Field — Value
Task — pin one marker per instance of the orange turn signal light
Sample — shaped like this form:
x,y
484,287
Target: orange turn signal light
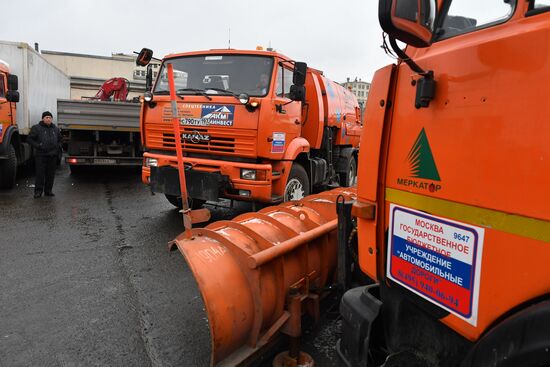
x,y
261,175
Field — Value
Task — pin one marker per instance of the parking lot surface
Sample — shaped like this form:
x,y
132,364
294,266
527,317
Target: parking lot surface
x,y
86,278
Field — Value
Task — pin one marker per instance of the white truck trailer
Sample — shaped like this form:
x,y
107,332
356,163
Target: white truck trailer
x,y
40,84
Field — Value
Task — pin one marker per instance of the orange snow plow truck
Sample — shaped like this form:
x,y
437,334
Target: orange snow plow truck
x,y
255,126
445,245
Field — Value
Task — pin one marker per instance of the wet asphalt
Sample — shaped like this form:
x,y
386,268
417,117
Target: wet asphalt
x,y
86,278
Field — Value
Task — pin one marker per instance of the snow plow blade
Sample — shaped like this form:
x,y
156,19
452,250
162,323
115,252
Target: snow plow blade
x,y
259,272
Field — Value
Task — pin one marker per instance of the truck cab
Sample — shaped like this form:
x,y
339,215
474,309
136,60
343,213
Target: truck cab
x,y
452,221
9,136
251,129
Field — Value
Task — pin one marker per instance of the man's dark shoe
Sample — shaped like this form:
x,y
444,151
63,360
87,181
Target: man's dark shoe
x,y
37,195
49,194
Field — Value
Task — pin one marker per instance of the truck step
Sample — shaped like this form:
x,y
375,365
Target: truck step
x,y
276,198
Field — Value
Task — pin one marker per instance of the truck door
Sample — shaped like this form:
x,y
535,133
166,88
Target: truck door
x,y
286,120
471,171
5,109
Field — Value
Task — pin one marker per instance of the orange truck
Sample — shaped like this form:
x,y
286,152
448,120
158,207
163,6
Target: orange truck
x,y
448,233
452,200
9,96
255,126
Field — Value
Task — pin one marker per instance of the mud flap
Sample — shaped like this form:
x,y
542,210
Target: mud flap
x,y
200,185
359,308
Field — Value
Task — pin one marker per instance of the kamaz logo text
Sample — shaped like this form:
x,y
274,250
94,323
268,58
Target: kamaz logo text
x,y
195,137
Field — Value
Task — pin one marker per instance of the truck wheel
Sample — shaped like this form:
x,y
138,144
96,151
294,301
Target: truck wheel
x,y
349,178
193,203
8,169
297,185
522,339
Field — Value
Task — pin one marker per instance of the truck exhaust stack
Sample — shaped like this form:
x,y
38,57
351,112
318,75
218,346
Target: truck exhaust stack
x,y
259,272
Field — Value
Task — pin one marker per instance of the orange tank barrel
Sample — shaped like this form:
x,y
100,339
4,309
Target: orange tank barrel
x,y
250,267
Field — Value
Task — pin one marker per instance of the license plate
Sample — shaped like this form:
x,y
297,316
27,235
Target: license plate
x,y
104,161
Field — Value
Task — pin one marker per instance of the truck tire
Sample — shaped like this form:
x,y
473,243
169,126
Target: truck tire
x,y
349,177
8,169
193,203
522,339
297,184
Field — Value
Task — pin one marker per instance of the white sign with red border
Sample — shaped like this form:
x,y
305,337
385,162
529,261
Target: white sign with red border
x,y
437,258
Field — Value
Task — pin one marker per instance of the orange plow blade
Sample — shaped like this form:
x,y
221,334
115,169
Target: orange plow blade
x,y
260,271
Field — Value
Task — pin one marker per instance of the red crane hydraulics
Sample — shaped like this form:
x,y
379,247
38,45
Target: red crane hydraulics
x,y
116,87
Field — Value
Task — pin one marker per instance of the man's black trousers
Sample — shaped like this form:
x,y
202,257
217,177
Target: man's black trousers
x,y
45,173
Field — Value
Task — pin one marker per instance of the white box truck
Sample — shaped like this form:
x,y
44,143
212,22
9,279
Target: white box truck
x,y
39,84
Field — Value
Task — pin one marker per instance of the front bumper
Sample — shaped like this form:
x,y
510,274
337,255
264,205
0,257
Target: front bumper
x,y
103,161
200,185
226,175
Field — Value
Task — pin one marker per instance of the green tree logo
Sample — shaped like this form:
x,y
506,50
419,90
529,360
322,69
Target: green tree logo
x,y
421,159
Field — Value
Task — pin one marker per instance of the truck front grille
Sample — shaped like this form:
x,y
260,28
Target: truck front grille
x,y
222,141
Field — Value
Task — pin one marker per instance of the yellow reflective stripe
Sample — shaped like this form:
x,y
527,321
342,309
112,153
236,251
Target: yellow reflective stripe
x,y
523,226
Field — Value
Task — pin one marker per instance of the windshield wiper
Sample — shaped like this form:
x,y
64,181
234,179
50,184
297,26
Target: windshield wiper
x,y
201,92
225,91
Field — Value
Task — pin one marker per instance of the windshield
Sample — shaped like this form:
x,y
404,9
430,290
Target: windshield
x,y
215,74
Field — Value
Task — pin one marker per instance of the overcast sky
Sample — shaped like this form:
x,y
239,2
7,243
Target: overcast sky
x,y
342,38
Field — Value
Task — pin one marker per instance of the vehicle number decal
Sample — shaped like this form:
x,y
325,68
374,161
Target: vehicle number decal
x,y
278,143
436,258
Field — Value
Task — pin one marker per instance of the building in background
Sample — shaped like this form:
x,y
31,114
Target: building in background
x,y
360,89
89,72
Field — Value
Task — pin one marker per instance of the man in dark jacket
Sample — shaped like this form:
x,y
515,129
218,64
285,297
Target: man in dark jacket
x,y
45,137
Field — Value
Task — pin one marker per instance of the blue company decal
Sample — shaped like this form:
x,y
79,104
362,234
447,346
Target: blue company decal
x,y
207,115
220,115
436,258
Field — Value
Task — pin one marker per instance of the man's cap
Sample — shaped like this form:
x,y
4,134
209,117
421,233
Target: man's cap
x,y
47,113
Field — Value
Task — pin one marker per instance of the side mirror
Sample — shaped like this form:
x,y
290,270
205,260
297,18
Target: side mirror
x,y
12,96
13,83
297,93
409,21
144,57
149,78
299,76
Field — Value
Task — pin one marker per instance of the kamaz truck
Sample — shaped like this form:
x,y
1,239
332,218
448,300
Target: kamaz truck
x,y
256,126
444,246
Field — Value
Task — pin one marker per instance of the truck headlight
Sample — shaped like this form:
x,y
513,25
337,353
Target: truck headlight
x,y
244,98
151,162
248,174
148,96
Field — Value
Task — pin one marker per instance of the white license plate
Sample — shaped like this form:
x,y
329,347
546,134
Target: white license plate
x,y
104,161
